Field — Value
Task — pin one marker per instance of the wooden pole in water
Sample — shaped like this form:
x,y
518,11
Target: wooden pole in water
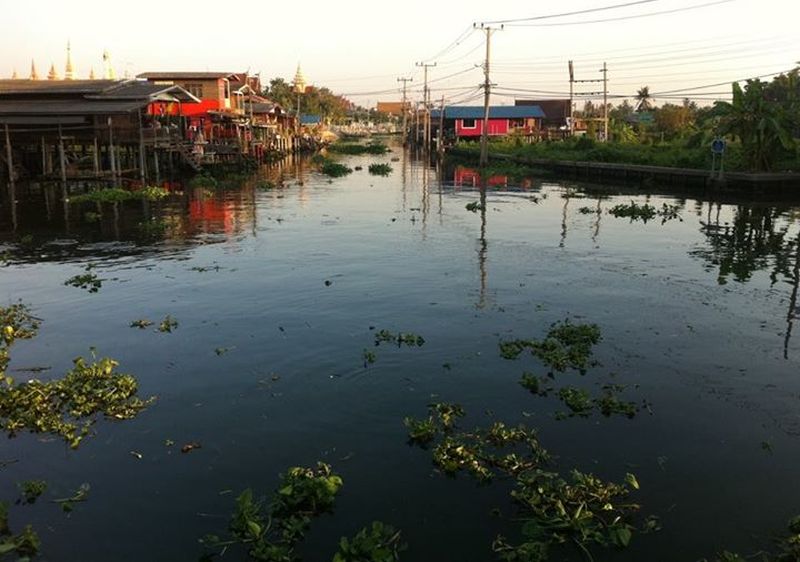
x,y
63,163
142,168
111,152
44,158
12,188
96,157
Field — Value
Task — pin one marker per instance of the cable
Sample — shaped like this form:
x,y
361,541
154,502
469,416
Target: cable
x,y
620,18
565,14
464,34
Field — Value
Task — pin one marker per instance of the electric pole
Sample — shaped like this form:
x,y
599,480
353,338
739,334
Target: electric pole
x,y
571,100
605,102
487,87
405,82
427,103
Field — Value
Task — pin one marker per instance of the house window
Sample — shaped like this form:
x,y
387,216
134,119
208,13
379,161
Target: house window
x,y
468,123
195,89
516,123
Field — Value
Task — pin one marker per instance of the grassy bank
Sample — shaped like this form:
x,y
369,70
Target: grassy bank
x,y
675,154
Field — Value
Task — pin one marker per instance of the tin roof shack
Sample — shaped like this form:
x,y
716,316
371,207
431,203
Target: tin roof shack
x,y
557,112
83,129
466,122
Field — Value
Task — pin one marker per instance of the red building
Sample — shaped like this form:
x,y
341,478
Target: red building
x,y
467,121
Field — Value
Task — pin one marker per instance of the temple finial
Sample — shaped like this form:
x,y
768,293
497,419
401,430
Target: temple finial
x,y
34,74
69,72
108,70
52,75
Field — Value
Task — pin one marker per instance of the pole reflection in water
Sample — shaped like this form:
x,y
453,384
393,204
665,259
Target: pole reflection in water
x,y
483,249
793,309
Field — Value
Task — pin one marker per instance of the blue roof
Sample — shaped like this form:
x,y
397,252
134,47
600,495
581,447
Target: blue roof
x,y
310,119
495,112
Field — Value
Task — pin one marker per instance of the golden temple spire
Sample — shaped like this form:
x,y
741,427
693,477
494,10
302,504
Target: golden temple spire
x,y
299,81
69,73
91,74
53,75
34,74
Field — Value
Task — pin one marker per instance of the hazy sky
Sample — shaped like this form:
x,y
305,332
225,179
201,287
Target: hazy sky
x,y
359,48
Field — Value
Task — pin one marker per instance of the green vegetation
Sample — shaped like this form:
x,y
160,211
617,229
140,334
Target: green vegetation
x,y
474,207
141,324
335,170
80,495
788,548
566,346
554,510
168,324
369,357
88,281
24,545
761,123
265,185
31,490
380,169
377,543
118,195
645,212
375,148
66,407
270,532
408,339
202,180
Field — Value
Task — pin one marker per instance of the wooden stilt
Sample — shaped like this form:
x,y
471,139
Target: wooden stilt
x,y
12,187
142,168
63,162
96,158
112,154
44,158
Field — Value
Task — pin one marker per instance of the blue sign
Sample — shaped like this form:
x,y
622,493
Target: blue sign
x,y
718,146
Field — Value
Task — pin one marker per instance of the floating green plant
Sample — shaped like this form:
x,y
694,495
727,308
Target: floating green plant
x,y
335,170
23,545
109,195
270,532
376,148
408,339
168,324
153,193
369,357
80,495
645,212
582,509
566,346
265,185
31,490
587,210
536,385
474,206
377,543
141,324
89,281
787,548
380,169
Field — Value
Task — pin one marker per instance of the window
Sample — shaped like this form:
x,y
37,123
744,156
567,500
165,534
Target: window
x,y
195,89
468,123
516,123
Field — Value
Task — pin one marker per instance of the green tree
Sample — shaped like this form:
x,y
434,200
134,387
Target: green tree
x,y
644,101
673,120
759,123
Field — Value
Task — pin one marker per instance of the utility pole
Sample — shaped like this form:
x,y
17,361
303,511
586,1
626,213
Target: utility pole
x,y
571,100
440,136
405,82
487,86
605,102
427,103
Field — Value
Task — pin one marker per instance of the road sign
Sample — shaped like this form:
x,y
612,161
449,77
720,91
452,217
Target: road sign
x,y
718,146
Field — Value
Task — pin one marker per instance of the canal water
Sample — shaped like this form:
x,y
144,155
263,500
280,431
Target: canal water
x,y
278,292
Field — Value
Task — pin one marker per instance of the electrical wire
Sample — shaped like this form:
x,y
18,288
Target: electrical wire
x,y
621,18
565,14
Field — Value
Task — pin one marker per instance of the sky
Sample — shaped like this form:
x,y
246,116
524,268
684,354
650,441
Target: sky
x,y
678,48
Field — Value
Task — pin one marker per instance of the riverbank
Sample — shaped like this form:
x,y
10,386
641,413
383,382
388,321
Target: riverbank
x,y
568,162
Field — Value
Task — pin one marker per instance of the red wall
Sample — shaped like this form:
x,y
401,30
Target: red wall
x,y
496,127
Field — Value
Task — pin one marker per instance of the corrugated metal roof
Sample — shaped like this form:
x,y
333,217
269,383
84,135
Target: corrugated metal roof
x,y
184,75
76,87
69,107
310,119
141,89
495,112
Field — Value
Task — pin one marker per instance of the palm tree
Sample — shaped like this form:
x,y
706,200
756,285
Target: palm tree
x,y
643,99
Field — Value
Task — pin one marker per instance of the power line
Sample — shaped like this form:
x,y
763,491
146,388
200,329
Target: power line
x,y
620,18
565,14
